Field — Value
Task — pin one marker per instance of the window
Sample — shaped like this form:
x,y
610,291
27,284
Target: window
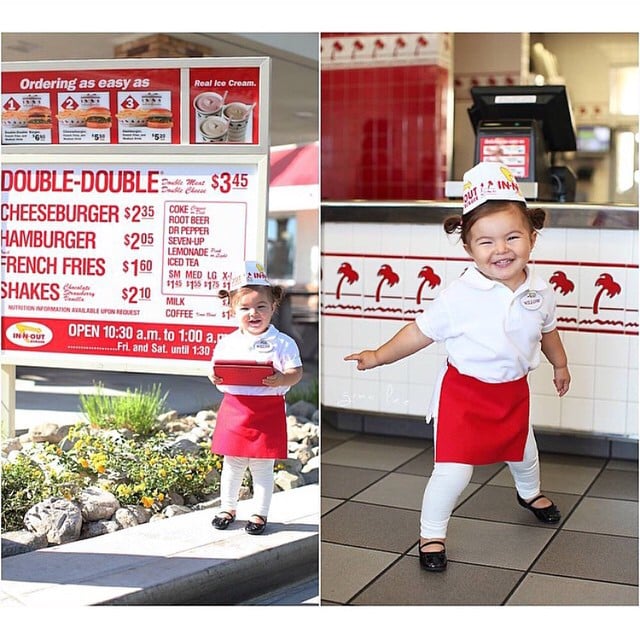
x,y
281,247
624,96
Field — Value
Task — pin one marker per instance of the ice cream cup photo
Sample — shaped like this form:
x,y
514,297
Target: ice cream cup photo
x,y
214,129
208,103
238,115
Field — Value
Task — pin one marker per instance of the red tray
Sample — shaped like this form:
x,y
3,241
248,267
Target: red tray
x,y
243,372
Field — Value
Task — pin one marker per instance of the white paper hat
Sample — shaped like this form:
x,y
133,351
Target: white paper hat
x,y
247,274
488,181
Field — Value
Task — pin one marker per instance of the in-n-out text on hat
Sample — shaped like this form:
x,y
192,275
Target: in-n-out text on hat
x,y
488,181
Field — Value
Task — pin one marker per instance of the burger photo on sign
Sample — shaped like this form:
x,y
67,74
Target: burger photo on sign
x,y
159,119
39,118
98,118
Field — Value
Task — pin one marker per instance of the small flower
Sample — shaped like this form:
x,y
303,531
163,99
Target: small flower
x,y
147,501
84,463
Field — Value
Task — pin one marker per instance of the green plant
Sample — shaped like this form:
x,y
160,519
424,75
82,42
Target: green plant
x,y
26,481
142,469
136,410
304,391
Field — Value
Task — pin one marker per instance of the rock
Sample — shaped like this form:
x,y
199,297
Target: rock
x,y
11,444
58,519
206,418
286,480
167,417
311,471
175,498
98,528
184,446
23,541
292,465
48,432
304,454
175,510
157,516
97,504
207,504
131,516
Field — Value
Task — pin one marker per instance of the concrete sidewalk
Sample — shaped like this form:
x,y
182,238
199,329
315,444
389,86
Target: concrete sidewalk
x,y
180,560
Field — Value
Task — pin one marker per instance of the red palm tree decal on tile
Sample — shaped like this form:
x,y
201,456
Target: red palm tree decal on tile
x,y
561,283
607,285
388,275
348,273
429,277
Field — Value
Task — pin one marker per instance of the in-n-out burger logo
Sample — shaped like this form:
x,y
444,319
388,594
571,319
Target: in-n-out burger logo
x,y
68,181
481,192
29,334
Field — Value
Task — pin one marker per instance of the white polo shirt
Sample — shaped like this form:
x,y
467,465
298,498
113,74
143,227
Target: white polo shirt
x,y
487,331
272,345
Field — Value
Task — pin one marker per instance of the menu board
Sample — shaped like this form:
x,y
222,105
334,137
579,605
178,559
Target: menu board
x,y
91,107
512,151
129,189
122,260
224,102
137,105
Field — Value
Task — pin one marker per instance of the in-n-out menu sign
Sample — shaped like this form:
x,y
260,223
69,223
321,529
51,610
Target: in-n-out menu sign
x,y
110,258
100,259
132,106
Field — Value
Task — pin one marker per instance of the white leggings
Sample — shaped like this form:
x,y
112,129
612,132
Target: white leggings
x,y
449,479
231,478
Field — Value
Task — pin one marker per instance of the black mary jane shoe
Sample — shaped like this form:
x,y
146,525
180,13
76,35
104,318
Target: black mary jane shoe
x,y
221,521
548,514
256,528
433,560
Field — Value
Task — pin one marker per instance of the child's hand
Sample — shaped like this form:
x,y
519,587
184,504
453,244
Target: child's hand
x,y
275,380
365,359
215,379
561,379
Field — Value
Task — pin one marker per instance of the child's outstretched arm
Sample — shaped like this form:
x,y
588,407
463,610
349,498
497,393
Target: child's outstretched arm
x,y
554,351
406,342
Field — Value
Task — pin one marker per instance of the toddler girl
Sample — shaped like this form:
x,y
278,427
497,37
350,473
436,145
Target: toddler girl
x,y
251,429
493,320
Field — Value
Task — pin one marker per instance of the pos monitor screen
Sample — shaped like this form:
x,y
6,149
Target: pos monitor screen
x,y
546,104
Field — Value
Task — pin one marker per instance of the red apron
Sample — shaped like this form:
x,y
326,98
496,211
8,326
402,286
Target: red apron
x,y
481,422
251,427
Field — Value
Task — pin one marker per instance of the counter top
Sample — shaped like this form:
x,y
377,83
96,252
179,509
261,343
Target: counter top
x,y
564,215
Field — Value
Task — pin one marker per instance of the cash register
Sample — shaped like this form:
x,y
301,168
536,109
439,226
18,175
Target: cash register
x,y
523,127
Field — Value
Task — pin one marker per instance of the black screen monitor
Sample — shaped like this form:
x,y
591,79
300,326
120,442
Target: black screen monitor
x,y
546,104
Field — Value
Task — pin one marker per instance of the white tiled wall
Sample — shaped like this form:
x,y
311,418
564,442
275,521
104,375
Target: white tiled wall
x,y
604,365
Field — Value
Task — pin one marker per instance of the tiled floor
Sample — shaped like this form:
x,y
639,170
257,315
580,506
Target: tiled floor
x,y
499,554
